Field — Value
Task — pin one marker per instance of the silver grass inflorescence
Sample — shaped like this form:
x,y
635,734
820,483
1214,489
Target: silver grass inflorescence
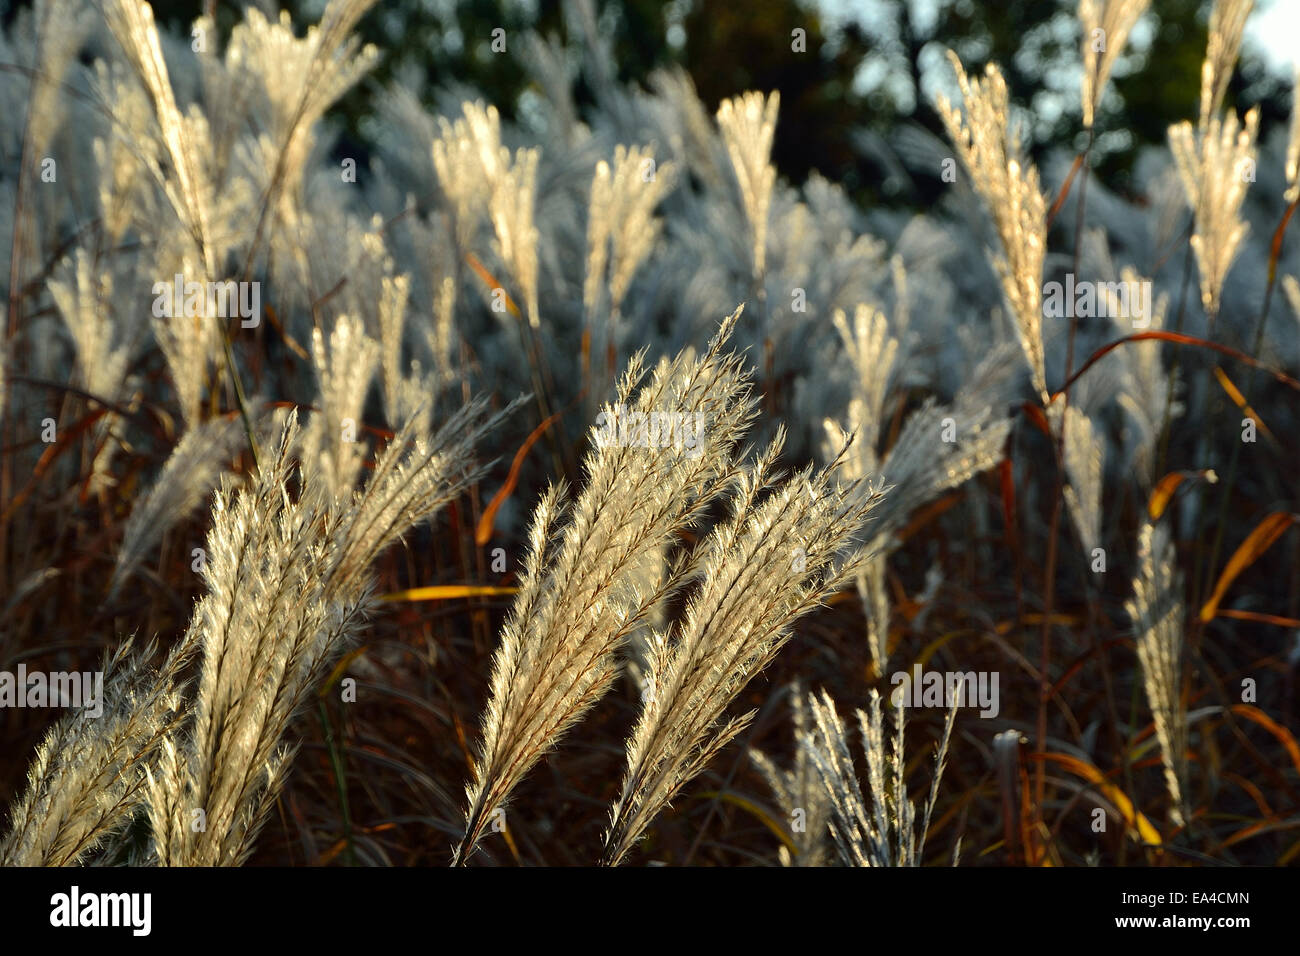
x,y
394,293
880,830
467,158
873,351
188,188
301,76
1085,465
1149,392
622,228
264,626
288,583
477,172
184,179
1106,26
1156,609
1008,183
799,791
60,34
83,299
918,467
344,371
89,776
748,124
921,464
188,345
786,545
512,207
578,595
1216,164
189,475
1226,29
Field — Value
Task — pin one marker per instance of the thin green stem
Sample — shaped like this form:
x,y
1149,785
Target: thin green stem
x,y
340,781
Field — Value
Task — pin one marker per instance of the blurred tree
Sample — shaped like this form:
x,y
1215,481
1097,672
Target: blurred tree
x,y
856,67
1036,43
781,46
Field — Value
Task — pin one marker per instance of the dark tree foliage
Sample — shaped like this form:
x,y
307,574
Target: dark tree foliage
x,y
729,47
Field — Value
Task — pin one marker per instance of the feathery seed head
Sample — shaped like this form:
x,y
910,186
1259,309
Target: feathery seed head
x,y
1156,609
748,124
881,831
1106,26
990,150
785,546
1227,26
1216,164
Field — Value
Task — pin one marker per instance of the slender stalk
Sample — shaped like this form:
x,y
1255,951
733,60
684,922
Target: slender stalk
x,y
1231,475
340,781
1049,596
1163,457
